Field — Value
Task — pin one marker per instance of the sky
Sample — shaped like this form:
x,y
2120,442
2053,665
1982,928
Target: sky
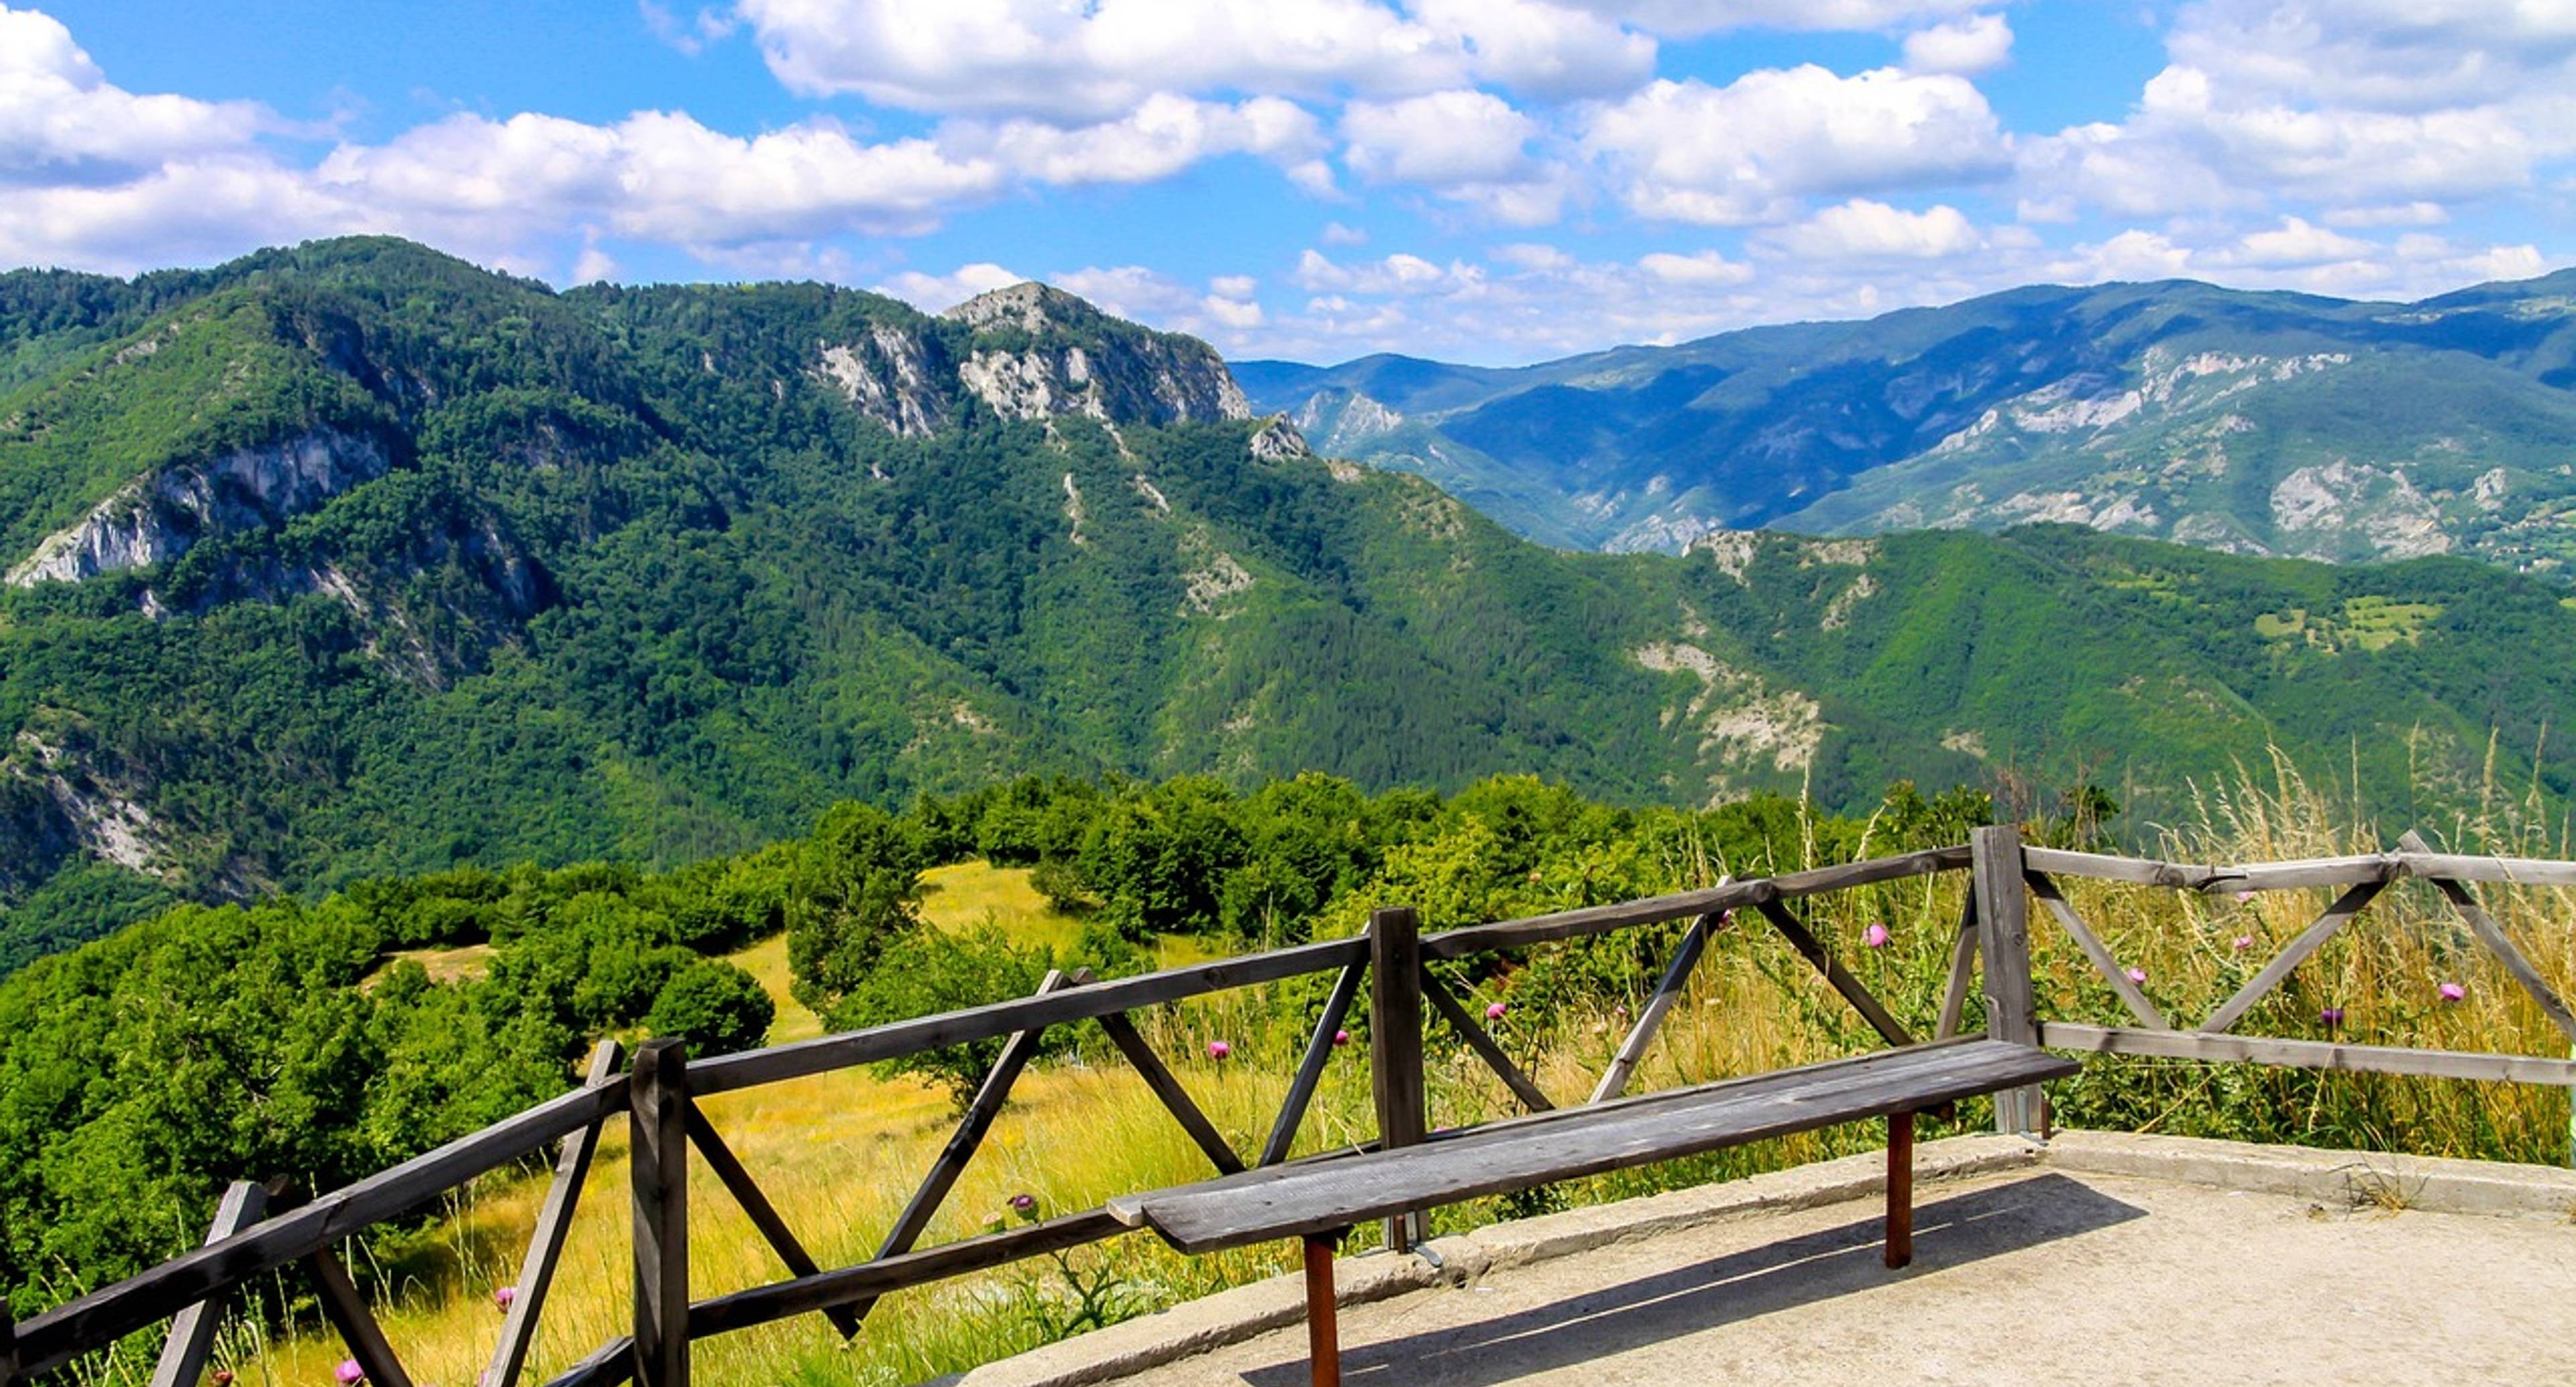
x,y
1488,181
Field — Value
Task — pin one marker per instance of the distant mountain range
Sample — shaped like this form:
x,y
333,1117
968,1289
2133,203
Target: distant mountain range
x,y
2253,423
354,560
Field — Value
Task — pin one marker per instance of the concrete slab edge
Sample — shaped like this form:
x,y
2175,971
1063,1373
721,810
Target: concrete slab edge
x,y
1230,1317
2336,1178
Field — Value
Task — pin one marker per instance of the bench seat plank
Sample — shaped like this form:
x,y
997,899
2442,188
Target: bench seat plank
x,y
1323,1195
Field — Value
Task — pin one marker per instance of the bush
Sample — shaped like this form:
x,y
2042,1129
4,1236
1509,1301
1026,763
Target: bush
x,y
928,971
714,1006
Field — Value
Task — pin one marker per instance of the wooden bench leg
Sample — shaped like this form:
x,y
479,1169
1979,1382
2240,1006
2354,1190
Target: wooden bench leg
x,y
1323,1332
1900,1189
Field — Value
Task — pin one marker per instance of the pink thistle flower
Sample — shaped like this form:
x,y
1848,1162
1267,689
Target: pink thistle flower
x,y
1218,1049
2137,975
2244,942
1341,1037
1875,936
2453,992
349,1372
1023,1202
1494,1011
502,1296
2244,896
223,1377
2332,1016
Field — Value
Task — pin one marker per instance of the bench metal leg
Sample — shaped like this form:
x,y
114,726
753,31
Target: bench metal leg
x,y
1323,1332
1900,1189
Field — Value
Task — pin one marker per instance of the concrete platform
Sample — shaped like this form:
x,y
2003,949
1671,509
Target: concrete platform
x,y
2097,1259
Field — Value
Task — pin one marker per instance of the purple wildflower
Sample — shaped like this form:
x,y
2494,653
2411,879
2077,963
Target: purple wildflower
x,y
2244,942
1218,1049
1875,936
1023,1202
502,1296
2332,1016
349,1372
2138,975
1494,1011
2452,992
1341,1037
2244,896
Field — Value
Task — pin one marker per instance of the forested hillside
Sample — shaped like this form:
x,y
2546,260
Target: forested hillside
x,y
2254,423
353,560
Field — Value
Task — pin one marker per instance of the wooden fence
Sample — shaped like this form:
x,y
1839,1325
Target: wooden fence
x,y
656,1091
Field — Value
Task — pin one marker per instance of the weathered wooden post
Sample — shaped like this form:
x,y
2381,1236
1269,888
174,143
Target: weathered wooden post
x,y
192,1331
2003,942
659,1139
1395,1044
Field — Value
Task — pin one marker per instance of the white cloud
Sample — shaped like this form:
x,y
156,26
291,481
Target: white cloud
x,y
1966,47
1336,234
1093,61
690,37
1441,139
2295,242
61,121
1706,267
1749,151
1691,18
931,293
2336,103
2390,214
1162,136
1864,230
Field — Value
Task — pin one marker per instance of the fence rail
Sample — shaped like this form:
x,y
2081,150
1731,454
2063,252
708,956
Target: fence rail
x,y
658,1092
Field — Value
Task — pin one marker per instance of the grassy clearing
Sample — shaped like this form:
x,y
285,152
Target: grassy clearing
x,y
840,1153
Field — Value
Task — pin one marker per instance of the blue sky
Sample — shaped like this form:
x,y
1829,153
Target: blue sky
x,y
1482,180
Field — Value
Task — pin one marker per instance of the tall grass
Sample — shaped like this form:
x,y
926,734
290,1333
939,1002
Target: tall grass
x,y
838,1154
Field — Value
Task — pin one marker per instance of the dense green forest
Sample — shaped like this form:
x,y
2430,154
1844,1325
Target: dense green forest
x,y
353,561
141,1072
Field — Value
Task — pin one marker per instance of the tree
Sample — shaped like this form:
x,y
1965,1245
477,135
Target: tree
x,y
714,1006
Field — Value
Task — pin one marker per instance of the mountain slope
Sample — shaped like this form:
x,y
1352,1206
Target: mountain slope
x,y
2256,423
355,560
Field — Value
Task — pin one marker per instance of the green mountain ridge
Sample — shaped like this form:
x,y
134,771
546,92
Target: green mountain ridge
x,y
2257,423
353,561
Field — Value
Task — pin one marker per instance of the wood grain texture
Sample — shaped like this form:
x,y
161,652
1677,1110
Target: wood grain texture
x,y
2311,939
962,1143
2129,993
1166,1087
353,1321
1482,1041
658,1179
53,1338
872,1280
1963,967
823,1054
1650,1018
1395,1043
2003,944
2308,1054
192,1331
554,1224
1310,1067
1285,1202
730,1172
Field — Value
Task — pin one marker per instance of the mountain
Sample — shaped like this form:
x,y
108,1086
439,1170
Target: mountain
x,y
2256,423
354,560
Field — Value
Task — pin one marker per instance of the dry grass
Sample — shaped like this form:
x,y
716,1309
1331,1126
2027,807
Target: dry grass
x,y
838,1154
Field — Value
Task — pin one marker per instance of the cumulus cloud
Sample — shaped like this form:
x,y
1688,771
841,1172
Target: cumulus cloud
x,y
1093,61
62,121
2350,105
1966,47
1864,230
931,293
1749,151
1692,18
1443,138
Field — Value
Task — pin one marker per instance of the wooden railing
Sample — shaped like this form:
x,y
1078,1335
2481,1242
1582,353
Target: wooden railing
x,y
657,1093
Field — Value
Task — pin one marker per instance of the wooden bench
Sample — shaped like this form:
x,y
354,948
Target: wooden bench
x,y
1317,1200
